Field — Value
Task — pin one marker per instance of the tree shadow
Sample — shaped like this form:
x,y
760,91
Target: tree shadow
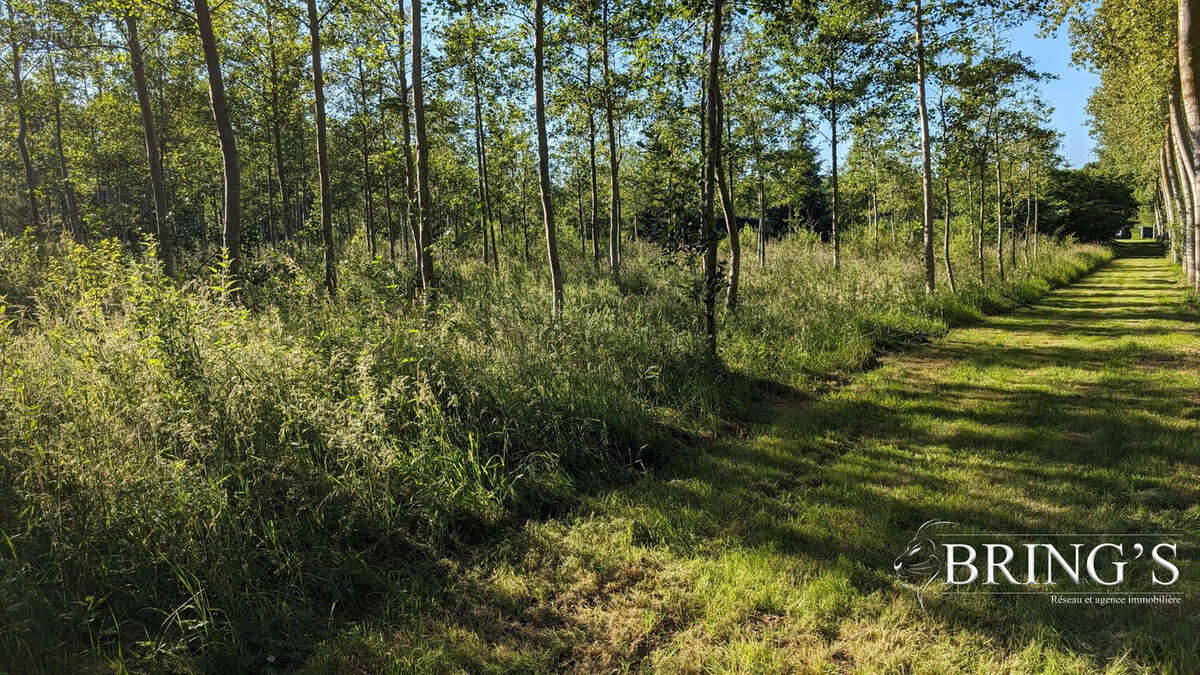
x,y
1045,420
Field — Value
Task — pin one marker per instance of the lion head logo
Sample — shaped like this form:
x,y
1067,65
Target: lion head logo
x,y
920,564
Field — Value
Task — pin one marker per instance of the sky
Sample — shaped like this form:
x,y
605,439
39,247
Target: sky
x,y
1067,95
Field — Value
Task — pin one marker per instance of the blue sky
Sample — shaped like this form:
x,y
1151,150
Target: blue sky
x,y
1068,94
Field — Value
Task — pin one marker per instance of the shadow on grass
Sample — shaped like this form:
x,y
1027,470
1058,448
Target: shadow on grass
x,y
1078,415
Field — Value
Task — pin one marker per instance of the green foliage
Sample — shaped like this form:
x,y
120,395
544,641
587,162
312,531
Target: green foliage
x,y
194,482
1088,203
1133,48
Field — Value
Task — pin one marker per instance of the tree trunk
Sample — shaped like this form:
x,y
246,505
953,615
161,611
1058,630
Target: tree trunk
x,y
592,165
724,188
158,186
481,181
232,236
999,210
387,212
1189,54
946,237
1155,202
1035,226
410,193
614,208
579,220
268,226
68,190
926,170
982,199
365,149
1187,180
1028,218
424,207
276,133
762,225
22,124
833,164
1171,202
525,216
488,215
314,31
492,230
556,284
1012,215
712,176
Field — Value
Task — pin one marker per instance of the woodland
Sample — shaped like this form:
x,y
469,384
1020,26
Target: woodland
x,y
328,328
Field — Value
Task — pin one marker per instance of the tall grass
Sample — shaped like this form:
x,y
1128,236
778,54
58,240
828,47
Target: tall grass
x,y
195,483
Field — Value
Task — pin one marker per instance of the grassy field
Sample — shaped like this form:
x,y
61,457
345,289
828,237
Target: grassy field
x,y
770,552
366,484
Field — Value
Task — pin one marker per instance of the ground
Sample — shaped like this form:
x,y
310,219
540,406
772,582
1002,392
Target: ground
x,y
772,550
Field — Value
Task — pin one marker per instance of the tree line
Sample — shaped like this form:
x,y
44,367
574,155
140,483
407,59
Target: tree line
x,y
264,125
1146,114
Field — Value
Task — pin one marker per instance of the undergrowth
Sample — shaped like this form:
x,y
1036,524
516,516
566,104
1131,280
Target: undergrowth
x,y
194,482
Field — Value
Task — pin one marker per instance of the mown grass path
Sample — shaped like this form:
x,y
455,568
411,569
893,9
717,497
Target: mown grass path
x,y
772,552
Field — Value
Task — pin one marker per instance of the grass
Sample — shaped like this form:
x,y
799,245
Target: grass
x,y
771,551
368,484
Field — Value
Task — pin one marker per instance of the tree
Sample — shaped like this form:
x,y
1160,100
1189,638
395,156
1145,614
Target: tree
x,y
926,167
831,60
614,204
326,196
544,159
424,210
1188,40
1186,173
712,177
153,157
1088,203
22,123
232,170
